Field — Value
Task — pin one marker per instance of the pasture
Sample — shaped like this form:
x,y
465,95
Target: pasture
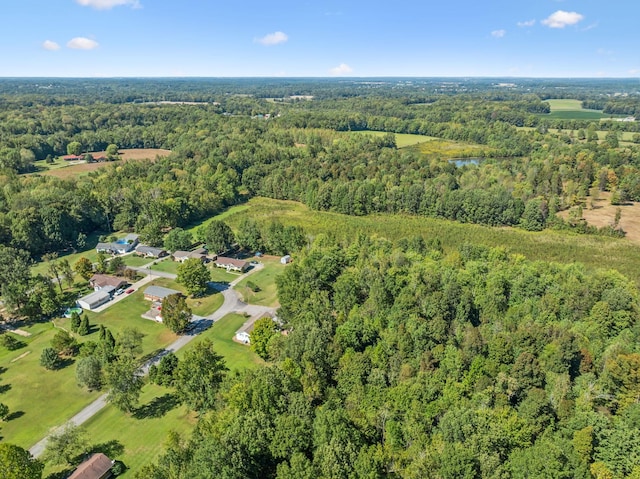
x,y
265,279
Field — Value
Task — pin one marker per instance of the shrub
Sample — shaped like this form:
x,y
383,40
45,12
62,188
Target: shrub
x,y
49,359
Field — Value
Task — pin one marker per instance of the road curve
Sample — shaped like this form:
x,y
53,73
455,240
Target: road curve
x,y
231,304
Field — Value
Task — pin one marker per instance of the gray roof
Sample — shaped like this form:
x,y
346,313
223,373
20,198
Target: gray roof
x,y
96,296
149,249
159,291
105,246
131,237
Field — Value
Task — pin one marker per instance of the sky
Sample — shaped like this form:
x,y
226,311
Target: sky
x,y
348,38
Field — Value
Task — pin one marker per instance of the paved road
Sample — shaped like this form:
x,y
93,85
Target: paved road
x,y
231,304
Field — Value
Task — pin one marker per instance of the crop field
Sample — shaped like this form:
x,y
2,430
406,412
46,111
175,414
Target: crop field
x,y
562,247
61,169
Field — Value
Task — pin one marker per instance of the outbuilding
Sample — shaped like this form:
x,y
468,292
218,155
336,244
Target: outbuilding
x,y
286,259
96,299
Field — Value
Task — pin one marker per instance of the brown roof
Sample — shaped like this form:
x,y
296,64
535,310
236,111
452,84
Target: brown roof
x,y
102,280
238,263
95,467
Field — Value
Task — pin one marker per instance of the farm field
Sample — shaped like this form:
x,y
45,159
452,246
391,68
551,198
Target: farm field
x,y
66,170
265,279
562,247
432,146
604,212
567,109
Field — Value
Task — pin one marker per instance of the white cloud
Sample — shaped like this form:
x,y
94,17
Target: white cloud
x,y
527,23
108,4
51,46
341,69
273,39
561,19
82,43
498,33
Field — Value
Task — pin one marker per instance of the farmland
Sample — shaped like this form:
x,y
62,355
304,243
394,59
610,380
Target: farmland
x,y
566,109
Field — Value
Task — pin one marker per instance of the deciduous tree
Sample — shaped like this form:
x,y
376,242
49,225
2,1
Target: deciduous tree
x,y
176,314
194,275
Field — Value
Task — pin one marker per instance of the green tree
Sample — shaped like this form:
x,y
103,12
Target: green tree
x,y
116,265
101,263
63,343
89,373
124,383
49,358
84,327
178,239
74,322
16,463
194,275
84,268
199,375
164,372
176,314
112,151
217,235
14,276
4,412
263,330
66,447
74,148
129,342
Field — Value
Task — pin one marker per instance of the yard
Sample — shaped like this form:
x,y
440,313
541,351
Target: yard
x,y
41,399
159,411
265,279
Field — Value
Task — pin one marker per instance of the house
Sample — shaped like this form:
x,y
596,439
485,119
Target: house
x,y
158,293
96,299
286,259
98,466
231,264
72,157
99,281
121,246
154,313
150,251
200,254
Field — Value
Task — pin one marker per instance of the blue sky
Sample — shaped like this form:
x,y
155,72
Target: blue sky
x,y
106,38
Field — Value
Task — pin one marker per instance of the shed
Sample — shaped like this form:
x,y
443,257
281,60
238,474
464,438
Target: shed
x,y
98,466
158,293
286,259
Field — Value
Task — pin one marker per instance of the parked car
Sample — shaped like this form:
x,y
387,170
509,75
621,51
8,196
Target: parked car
x,y
119,291
130,290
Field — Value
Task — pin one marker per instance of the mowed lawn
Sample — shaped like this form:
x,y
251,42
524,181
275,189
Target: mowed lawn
x,y
143,433
45,399
594,252
265,279
568,109
38,399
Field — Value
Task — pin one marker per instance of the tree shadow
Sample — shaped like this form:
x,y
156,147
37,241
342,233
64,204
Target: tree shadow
x,y
14,415
4,388
61,474
111,448
158,407
63,363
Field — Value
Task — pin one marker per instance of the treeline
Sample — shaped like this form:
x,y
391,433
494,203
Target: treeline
x,y
402,362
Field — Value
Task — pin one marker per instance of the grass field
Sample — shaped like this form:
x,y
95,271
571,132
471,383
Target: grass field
x,y
266,281
563,247
142,433
62,169
567,109
136,261
207,304
432,146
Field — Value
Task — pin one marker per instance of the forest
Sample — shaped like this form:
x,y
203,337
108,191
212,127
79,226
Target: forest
x,y
401,358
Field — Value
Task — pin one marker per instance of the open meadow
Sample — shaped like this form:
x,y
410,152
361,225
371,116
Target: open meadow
x,y
559,246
